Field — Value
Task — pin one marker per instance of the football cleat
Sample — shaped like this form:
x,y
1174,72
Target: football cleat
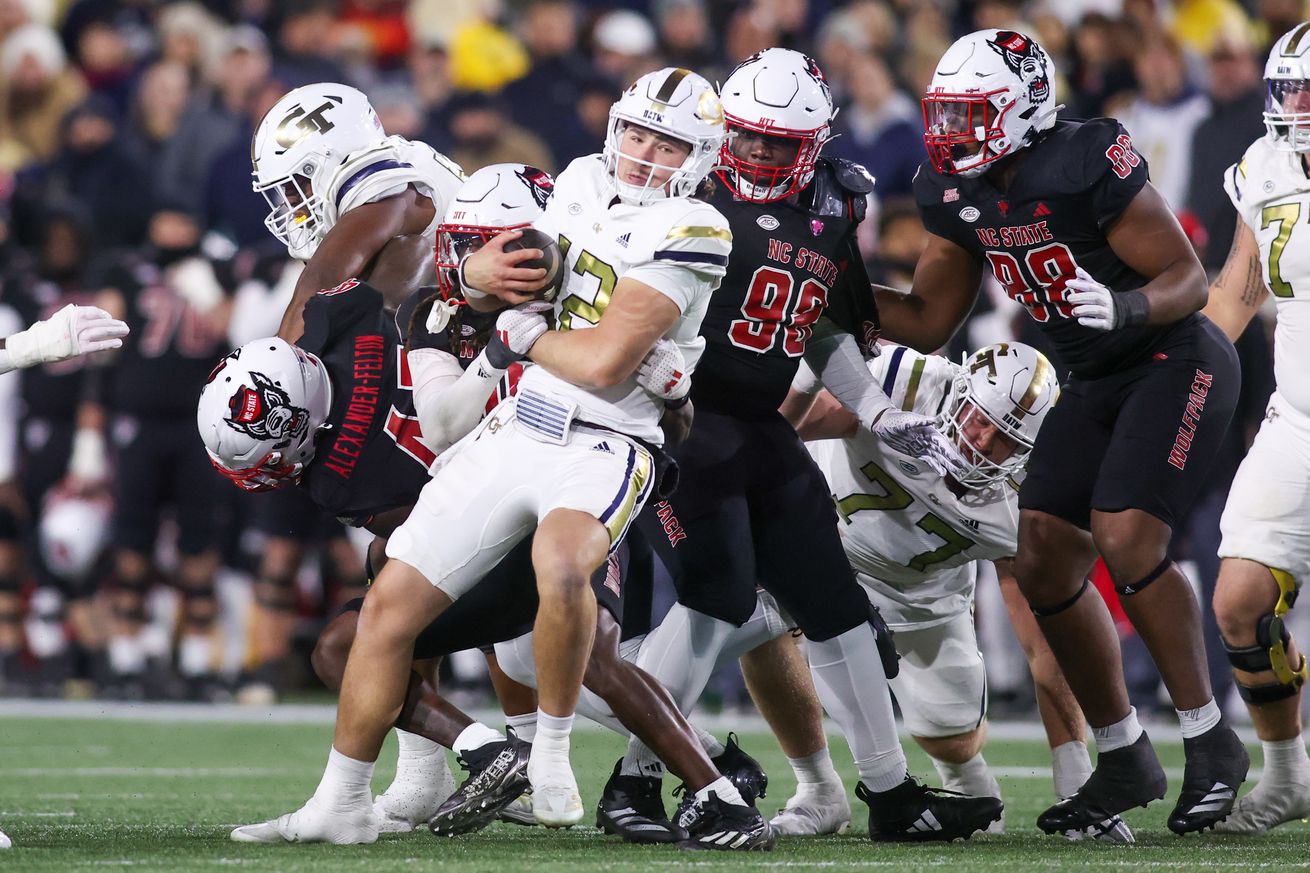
x,y
631,807
742,770
1217,764
1267,806
912,812
815,809
1123,779
313,823
520,811
415,795
728,827
556,802
5,842
498,775
1112,830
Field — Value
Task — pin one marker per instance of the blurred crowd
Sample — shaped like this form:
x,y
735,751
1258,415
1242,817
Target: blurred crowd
x,y
125,179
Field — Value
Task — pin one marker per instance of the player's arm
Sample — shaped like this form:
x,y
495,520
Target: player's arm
x,y
492,279
449,401
350,246
69,333
1236,295
946,283
676,423
1148,238
606,355
815,413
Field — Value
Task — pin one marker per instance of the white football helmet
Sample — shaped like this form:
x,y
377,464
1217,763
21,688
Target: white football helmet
x,y
299,144
73,532
992,94
676,103
776,93
1287,94
260,412
1012,387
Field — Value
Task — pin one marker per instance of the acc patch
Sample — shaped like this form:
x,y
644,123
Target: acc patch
x,y
768,222
970,214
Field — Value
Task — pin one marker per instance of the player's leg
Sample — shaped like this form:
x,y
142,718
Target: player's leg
x,y
778,678
195,492
138,488
273,615
11,617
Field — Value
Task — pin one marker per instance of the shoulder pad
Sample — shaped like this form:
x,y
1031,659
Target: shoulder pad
x,y
837,184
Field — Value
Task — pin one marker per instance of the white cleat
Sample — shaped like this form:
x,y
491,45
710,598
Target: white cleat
x,y
314,824
1266,807
555,799
414,796
5,842
519,812
814,810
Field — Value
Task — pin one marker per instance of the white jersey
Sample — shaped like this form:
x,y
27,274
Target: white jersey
x,y
678,246
386,170
1272,195
912,541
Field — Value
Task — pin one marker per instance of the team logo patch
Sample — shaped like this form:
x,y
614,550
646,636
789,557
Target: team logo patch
x,y
768,222
1026,60
575,208
970,214
539,183
816,226
265,412
950,195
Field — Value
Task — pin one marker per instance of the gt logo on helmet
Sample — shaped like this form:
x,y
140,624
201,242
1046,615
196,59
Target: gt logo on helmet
x,y
265,412
305,123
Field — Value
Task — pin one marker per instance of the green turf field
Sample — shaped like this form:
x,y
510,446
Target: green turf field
x,y
86,794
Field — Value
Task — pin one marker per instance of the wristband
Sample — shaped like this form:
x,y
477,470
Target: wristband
x,y
470,293
1131,308
679,403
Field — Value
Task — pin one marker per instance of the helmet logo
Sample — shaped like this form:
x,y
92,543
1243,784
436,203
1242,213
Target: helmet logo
x,y
300,123
709,109
265,412
1026,60
539,183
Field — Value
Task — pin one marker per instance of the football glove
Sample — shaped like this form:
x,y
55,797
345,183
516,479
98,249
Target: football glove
x,y
516,331
663,372
72,331
1099,308
917,436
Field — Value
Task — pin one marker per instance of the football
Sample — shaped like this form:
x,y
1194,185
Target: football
x,y
551,260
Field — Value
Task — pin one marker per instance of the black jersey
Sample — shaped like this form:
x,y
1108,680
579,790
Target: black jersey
x,y
169,353
790,260
370,459
1073,183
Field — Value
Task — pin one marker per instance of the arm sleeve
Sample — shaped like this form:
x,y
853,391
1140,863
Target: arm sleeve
x,y
449,403
851,304
840,366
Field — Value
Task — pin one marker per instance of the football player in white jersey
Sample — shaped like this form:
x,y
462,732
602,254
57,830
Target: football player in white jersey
x,y
345,198
914,537
573,457
1265,549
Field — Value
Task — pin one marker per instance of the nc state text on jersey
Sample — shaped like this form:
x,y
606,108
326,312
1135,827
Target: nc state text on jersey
x,y
805,259
1014,237
362,409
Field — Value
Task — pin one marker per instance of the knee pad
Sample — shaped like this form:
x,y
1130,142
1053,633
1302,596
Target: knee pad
x,y
1048,611
1270,651
1140,585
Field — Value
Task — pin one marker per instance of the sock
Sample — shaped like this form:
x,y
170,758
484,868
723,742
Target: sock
x,y
710,743
641,761
524,726
475,736
127,657
1119,735
345,781
724,788
1071,764
815,769
416,752
552,741
1286,761
971,777
843,668
195,655
1194,722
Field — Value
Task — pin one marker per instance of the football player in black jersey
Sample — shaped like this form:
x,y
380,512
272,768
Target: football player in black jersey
x,y
752,507
1063,215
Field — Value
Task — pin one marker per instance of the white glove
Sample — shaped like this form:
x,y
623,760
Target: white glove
x,y
516,330
72,331
1099,308
917,436
663,372
195,282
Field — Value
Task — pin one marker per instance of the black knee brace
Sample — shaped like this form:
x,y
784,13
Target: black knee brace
x,y
1048,611
1270,651
1140,585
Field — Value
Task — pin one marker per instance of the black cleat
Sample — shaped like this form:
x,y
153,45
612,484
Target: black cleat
x,y
726,827
1217,764
742,770
912,813
631,808
1123,779
498,774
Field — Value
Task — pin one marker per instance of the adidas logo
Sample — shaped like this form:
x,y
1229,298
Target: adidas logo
x,y
925,822
970,523
1042,209
602,447
1218,797
623,240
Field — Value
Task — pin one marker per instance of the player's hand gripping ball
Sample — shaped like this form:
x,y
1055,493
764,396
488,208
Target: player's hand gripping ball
x,y
551,260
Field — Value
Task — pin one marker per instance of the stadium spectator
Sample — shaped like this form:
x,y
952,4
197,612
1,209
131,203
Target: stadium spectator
x,y
305,43
624,45
881,127
190,36
483,134
107,63
37,88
